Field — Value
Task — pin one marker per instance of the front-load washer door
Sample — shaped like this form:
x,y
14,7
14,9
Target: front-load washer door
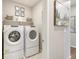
x,y
32,35
14,36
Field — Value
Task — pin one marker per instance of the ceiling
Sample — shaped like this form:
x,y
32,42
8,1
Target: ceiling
x,y
29,3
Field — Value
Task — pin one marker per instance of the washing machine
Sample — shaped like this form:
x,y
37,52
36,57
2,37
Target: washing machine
x,y
31,41
13,42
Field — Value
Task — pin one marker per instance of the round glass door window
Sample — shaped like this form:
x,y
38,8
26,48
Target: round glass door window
x,y
32,34
14,36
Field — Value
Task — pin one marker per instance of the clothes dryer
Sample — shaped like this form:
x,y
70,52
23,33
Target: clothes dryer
x,y
13,37
31,41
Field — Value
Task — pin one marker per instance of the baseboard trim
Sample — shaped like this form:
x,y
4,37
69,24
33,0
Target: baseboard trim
x,y
69,57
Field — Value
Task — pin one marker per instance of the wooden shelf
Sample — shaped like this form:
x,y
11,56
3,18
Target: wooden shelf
x,y
11,22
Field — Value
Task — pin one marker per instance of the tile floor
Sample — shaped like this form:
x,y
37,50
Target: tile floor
x,y
39,56
73,53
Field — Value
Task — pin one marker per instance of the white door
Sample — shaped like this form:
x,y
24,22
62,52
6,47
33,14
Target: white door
x,y
45,33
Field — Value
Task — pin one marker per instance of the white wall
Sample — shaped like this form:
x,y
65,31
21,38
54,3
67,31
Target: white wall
x,y
56,38
37,15
59,39
73,35
9,9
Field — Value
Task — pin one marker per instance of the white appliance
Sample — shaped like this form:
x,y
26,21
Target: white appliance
x,y
31,41
13,42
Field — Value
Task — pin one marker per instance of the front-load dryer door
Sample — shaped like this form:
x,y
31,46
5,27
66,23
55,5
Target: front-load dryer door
x,y
32,35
